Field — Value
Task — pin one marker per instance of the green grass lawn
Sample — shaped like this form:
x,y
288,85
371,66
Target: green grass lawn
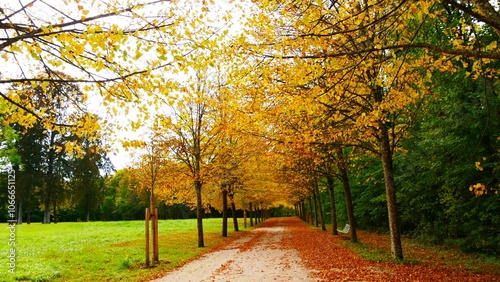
x,y
103,251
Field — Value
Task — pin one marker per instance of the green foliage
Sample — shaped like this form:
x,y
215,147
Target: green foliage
x,y
455,131
324,197
87,183
8,153
368,192
340,204
282,211
121,201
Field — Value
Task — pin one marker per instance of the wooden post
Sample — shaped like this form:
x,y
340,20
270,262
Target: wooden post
x,y
156,257
154,226
147,237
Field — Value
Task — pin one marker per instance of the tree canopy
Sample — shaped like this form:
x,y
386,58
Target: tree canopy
x,y
281,97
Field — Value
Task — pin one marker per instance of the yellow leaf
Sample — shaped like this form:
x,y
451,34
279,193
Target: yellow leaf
x,y
478,166
492,45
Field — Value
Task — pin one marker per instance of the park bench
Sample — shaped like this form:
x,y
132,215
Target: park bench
x,y
346,229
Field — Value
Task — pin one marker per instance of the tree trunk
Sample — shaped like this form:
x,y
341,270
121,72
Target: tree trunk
x,y
245,218
87,209
55,211
20,213
199,213
350,208
320,206
390,190
46,213
257,215
314,211
303,210
347,191
310,215
224,211
28,212
251,214
315,203
260,214
233,211
333,211
49,180
46,205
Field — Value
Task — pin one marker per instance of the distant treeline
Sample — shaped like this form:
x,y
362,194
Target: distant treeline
x,y
113,202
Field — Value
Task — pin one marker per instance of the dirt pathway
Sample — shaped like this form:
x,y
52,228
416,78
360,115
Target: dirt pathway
x,y
257,256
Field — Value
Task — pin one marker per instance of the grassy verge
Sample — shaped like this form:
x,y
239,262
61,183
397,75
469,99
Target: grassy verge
x,y
376,247
103,251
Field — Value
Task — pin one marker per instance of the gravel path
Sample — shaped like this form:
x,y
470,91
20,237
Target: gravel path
x,y
257,256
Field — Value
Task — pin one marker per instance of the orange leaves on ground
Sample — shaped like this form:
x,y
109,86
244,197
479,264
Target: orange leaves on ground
x,y
335,262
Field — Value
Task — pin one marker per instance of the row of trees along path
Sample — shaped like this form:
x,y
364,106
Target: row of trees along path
x,y
299,84
287,249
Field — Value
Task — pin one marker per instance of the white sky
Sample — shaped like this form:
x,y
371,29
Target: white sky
x,y
122,158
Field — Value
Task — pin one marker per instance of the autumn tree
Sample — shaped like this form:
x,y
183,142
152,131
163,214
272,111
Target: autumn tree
x,y
199,112
86,39
245,167
150,172
195,133
226,166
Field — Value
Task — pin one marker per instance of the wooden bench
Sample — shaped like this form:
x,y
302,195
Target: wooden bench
x,y
346,229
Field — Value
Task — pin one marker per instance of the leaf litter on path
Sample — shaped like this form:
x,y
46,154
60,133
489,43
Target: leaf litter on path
x,y
334,261
256,256
287,249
